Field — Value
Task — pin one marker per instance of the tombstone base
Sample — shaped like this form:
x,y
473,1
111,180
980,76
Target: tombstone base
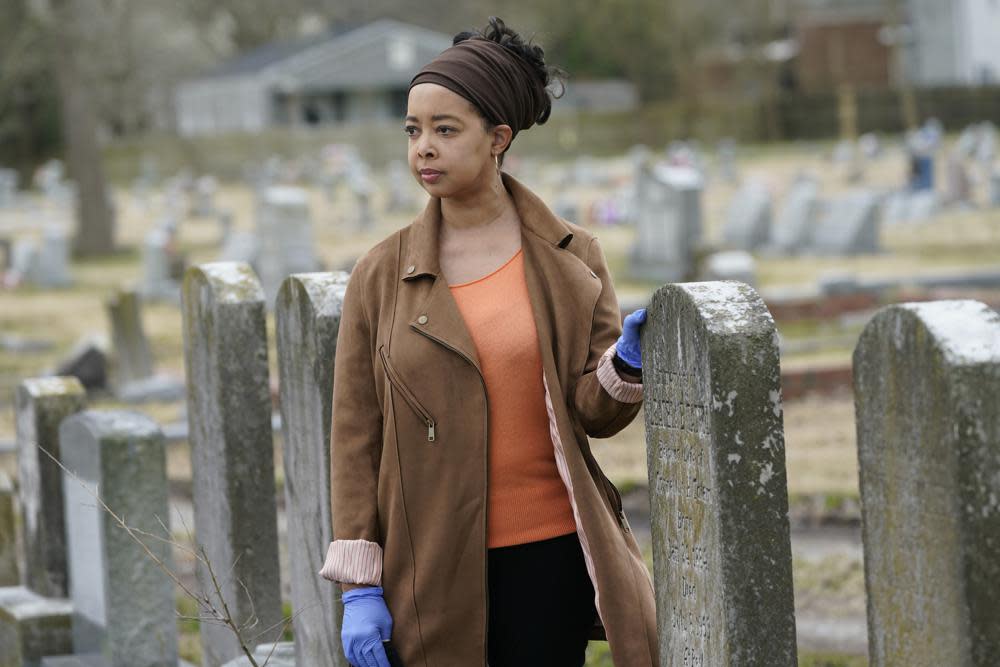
x,y
31,626
283,656
156,388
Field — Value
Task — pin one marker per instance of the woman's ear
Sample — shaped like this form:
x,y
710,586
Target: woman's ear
x,y
502,135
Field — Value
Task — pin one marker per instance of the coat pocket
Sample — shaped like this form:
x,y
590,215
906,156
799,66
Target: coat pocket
x,y
400,386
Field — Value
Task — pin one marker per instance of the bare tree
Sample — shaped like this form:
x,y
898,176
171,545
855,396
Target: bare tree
x,y
64,22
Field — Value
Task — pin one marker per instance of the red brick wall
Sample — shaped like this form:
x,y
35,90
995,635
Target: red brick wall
x,y
831,54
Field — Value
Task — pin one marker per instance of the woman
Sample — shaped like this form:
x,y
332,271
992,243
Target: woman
x,y
486,321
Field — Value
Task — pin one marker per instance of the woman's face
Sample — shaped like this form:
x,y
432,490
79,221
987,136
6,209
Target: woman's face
x,y
447,139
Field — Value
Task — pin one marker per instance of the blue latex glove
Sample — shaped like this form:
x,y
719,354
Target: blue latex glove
x,y
366,623
627,347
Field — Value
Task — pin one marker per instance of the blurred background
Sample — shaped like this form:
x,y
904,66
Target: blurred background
x,y
838,155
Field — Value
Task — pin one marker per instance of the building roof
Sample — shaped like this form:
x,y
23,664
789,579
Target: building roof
x,y
382,52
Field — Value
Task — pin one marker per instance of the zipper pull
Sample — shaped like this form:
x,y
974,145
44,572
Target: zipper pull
x,y
430,430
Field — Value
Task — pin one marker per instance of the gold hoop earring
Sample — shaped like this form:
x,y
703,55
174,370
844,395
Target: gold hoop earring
x,y
496,158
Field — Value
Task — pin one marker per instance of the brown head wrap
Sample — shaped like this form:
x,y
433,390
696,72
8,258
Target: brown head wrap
x,y
500,83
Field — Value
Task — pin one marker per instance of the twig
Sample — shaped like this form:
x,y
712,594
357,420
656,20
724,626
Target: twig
x,y
213,615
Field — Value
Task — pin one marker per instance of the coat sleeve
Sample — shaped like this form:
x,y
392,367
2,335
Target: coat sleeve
x,y
604,401
355,554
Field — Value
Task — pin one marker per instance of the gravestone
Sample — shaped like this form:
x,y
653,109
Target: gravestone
x,y
796,222
958,184
40,405
32,626
157,281
668,223
849,225
748,221
8,187
240,246
9,569
730,265
123,602
203,196
924,205
307,320
285,237
727,161
133,359
926,389
232,450
359,181
401,186
88,362
25,262
716,462
53,258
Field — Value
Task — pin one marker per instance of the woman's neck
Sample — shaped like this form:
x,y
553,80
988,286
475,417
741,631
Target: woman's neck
x,y
486,208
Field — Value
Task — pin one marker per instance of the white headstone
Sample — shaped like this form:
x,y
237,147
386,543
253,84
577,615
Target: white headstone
x,y
748,223
849,225
797,219
668,223
285,236
53,258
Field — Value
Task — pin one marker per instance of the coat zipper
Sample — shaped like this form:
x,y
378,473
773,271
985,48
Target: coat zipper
x,y
408,395
486,506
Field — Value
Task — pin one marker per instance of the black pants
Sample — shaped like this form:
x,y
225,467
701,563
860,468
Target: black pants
x,y
541,604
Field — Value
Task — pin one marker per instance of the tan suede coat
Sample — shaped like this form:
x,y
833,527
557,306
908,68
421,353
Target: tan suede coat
x,y
409,439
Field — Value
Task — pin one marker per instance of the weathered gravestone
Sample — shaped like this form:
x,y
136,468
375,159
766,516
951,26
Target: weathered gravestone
x,y
157,281
232,451
285,235
716,460
668,223
748,221
927,399
123,602
308,318
87,361
32,626
849,225
9,570
35,619
796,222
41,405
132,358
53,258
730,265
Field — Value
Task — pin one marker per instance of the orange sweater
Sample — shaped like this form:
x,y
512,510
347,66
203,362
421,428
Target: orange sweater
x,y
526,498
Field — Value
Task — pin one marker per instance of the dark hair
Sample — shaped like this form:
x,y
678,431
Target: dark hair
x,y
497,31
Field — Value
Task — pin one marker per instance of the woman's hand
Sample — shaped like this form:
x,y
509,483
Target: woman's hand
x,y
627,348
366,623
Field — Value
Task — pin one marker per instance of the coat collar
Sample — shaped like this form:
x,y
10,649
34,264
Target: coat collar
x,y
536,217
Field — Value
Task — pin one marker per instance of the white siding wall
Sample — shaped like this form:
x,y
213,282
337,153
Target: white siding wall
x,y
957,42
982,40
933,58
211,106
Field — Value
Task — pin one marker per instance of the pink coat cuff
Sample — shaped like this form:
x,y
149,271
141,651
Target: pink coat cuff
x,y
353,562
619,389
